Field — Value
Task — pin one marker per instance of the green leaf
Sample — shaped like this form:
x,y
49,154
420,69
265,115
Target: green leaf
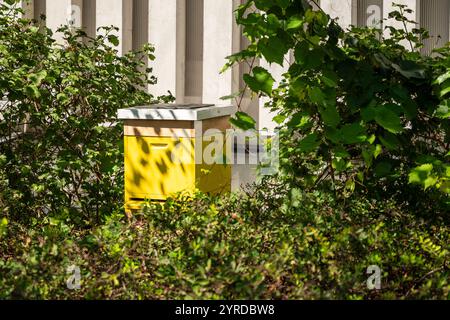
x,y
301,51
350,186
310,143
241,10
340,152
3,159
371,152
261,81
330,116
294,22
445,90
329,78
423,175
32,91
388,119
113,39
231,96
284,3
299,120
264,5
279,119
333,134
37,78
368,113
314,59
382,169
273,49
371,139
442,78
273,23
400,93
353,133
390,141
237,57
378,150
368,156
443,110
410,108
242,120
328,112
316,95
340,165
409,70
62,97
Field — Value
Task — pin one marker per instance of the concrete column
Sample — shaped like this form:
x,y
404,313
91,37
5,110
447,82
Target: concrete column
x,y
140,23
39,8
28,7
166,23
60,13
217,44
194,51
75,13
57,14
140,29
343,10
89,17
434,17
119,14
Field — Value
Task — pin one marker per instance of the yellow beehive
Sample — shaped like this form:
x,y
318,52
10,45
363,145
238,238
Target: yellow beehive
x,y
160,151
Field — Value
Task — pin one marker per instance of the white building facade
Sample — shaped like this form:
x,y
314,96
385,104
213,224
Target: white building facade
x,y
193,37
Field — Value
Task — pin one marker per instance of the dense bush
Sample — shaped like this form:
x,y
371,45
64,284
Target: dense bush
x,y
60,152
356,109
60,167
285,245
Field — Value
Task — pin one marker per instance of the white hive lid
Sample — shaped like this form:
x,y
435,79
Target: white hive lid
x,y
189,112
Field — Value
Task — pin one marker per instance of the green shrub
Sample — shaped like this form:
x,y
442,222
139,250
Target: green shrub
x,y
295,246
60,151
356,109
274,242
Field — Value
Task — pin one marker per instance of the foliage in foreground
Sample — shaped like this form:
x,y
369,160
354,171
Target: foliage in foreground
x,y
291,245
266,244
60,147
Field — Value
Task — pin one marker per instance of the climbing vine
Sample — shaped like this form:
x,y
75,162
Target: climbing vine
x,y
355,107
